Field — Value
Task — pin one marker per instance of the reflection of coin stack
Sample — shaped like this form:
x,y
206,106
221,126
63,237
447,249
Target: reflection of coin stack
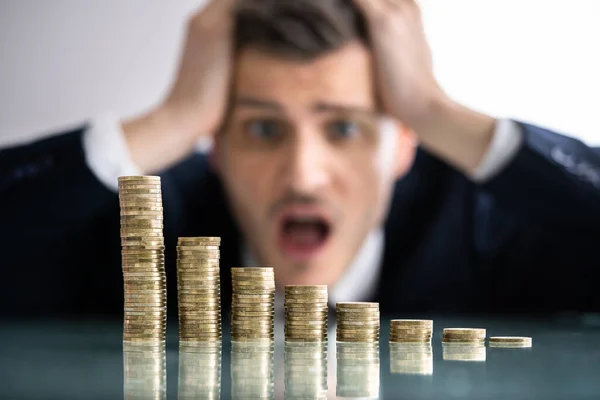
x,y
357,322
452,351
144,371
145,308
411,358
305,370
252,375
199,370
411,330
357,370
199,289
306,313
252,304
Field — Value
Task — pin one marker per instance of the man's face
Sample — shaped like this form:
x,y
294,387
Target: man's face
x,y
306,167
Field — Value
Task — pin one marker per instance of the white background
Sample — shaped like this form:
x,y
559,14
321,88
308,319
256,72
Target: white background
x,y
62,61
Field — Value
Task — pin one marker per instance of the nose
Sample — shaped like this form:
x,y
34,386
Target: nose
x,y
306,165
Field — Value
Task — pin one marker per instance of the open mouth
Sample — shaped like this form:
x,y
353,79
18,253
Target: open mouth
x,y
302,236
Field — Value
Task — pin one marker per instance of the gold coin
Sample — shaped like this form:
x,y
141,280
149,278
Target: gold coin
x,y
261,297
145,208
352,305
302,289
198,239
411,323
135,218
465,331
254,314
128,190
141,252
255,270
145,178
139,225
510,341
304,302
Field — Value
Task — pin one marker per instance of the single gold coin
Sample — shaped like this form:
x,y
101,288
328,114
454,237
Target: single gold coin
x,y
510,341
465,331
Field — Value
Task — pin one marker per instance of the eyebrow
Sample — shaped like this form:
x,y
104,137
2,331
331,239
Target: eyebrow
x,y
319,107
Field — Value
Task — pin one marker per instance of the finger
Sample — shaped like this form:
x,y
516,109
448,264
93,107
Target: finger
x,y
372,8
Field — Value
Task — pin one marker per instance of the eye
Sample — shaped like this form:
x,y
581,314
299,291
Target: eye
x,y
340,130
265,129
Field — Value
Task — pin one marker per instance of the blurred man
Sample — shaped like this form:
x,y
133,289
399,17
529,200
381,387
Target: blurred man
x,y
337,159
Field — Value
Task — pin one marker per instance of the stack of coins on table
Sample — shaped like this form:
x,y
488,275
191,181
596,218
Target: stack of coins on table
x,y
199,289
411,330
357,370
464,335
511,342
305,370
199,370
252,374
306,313
142,249
357,322
144,371
252,304
411,358
463,344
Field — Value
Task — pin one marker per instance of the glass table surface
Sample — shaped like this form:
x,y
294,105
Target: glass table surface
x,y
88,360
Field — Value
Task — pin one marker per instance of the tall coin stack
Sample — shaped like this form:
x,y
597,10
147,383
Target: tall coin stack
x,y
357,322
357,370
199,289
199,371
252,373
252,304
306,313
142,249
411,358
305,370
144,371
411,330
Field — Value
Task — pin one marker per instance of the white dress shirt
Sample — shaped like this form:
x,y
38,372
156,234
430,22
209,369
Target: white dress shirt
x,y
108,157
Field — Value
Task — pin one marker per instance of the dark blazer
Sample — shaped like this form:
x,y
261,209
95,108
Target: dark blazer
x,y
526,241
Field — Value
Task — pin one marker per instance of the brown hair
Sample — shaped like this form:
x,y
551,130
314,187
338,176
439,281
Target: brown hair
x,y
302,29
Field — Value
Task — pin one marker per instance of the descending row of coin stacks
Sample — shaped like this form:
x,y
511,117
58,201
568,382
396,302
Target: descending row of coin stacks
x,y
252,374
411,358
142,249
411,330
305,313
305,370
199,370
357,322
252,304
199,289
144,371
357,370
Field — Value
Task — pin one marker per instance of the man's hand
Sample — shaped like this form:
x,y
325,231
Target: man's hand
x,y
196,103
410,92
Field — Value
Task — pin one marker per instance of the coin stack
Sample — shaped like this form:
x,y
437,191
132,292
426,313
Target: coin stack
x,y
199,370
511,342
461,351
411,358
252,374
144,371
199,289
252,304
306,313
305,370
357,370
142,249
411,330
357,322
464,335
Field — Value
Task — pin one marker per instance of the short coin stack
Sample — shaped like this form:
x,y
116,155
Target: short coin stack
x,y
252,304
357,322
411,358
512,342
142,249
252,373
199,289
199,370
305,372
464,335
306,313
144,371
411,330
357,370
